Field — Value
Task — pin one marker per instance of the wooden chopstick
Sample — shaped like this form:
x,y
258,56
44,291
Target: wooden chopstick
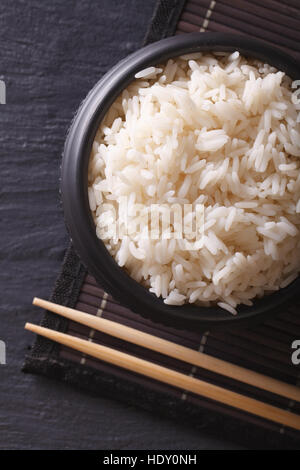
x,y
171,377
174,350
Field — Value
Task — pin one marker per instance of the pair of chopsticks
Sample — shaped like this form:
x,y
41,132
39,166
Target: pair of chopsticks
x,y
169,376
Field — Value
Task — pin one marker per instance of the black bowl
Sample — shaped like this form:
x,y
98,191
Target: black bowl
x,y
74,184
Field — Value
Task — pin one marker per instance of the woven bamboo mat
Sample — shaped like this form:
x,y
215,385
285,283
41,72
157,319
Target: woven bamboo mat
x,y
275,22
265,348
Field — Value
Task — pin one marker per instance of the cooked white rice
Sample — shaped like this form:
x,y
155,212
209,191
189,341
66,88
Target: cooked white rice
x,y
211,129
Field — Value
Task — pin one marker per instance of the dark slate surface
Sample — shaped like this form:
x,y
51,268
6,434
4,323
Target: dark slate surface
x,y
51,53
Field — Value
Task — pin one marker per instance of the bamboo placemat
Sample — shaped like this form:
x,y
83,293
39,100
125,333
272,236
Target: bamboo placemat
x,y
265,348
276,22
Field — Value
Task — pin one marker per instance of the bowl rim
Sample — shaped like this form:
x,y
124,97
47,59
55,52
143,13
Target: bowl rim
x,y
74,183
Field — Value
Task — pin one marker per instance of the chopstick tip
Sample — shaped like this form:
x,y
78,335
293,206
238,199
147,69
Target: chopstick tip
x,y
27,326
32,327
